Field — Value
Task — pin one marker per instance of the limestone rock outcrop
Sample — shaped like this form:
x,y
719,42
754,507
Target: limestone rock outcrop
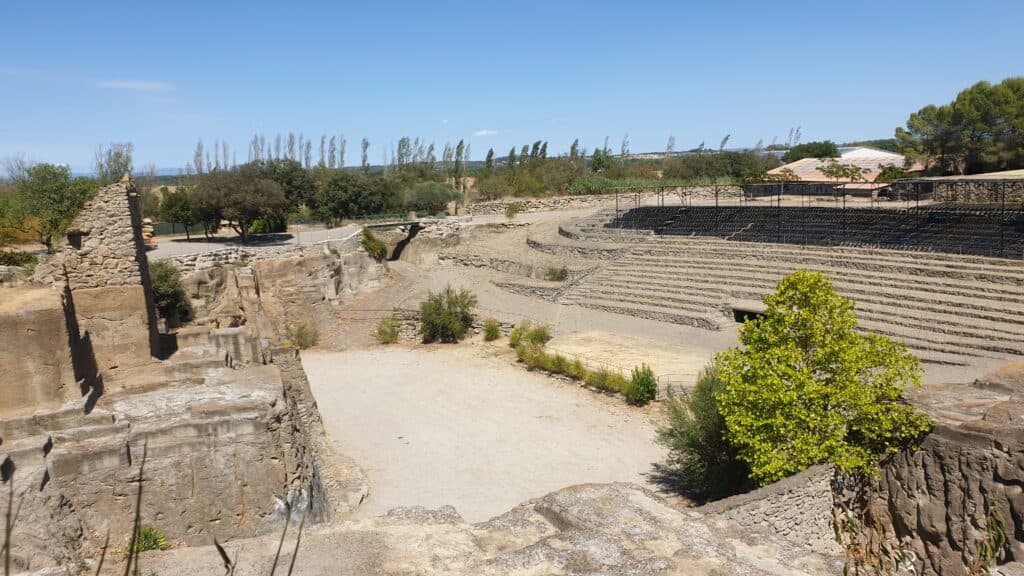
x,y
607,529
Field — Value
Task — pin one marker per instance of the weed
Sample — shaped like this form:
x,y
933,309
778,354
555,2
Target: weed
x,y
149,538
303,335
557,274
388,329
512,209
492,330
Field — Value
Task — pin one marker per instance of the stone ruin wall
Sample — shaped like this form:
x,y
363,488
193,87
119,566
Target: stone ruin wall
x,y
798,509
489,207
104,274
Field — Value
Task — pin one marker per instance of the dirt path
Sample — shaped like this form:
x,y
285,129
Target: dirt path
x,y
457,425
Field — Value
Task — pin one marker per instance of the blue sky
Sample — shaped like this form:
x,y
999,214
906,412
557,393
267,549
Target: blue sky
x,y
75,74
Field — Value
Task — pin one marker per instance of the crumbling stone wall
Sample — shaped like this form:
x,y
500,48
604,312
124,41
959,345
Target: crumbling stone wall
x,y
798,509
105,276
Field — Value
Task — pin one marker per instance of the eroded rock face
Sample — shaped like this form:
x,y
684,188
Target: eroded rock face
x,y
961,492
608,529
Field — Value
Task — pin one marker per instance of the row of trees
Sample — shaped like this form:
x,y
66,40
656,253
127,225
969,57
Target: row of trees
x,y
259,196
981,130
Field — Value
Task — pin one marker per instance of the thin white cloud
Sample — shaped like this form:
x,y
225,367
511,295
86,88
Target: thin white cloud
x,y
136,85
485,132
116,84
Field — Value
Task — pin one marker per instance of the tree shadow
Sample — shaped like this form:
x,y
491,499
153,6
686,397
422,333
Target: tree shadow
x,y
676,482
271,239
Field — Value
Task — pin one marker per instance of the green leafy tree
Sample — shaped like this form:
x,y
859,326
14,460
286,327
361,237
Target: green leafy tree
x,y
296,183
489,160
177,208
823,149
981,130
346,194
601,160
205,199
244,197
48,199
891,172
807,387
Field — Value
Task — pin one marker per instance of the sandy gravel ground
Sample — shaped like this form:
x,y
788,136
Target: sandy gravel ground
x,y
456,425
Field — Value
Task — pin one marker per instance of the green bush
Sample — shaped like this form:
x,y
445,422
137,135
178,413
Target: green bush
x,y
515,337
374,246
512,209
527,332
18,259
388,329
576,370
168,294
446,315
303,335
596,379
149,538
557,274
695,435
643,387
429,197
492,330
267,225
616,383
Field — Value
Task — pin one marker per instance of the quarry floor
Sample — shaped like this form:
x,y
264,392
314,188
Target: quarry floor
x,y
466,425
461,425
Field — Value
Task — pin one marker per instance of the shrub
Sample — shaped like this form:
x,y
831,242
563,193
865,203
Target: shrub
x,y
643,387
695,436
267,225
576,370
25,259
512,209
557,274
515,337
527,332
168,294
539,335
374,246
446,315
388,329
807,387
596,379
616,383
429,197
303,335
492,330
149,538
